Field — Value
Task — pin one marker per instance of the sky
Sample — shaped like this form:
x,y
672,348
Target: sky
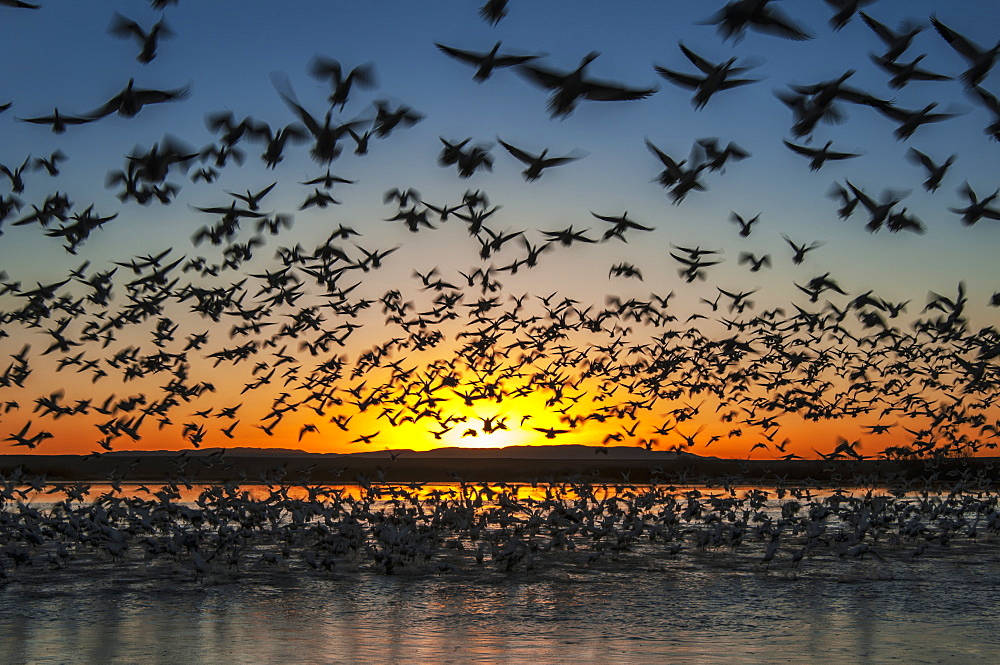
x,y
553,379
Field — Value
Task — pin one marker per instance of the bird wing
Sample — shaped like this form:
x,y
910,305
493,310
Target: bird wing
x,y
800,149
613,92
106,109
123,27
459,54
547,78
556,161
664,158
521,155
775,23
841,155
608,218
310,122
884,33
896,113
866,200
918,157
363,75
264,192
50,119
284,88
685,80
970,50
698,61
326,68
509,60
158,96
988,99
732,83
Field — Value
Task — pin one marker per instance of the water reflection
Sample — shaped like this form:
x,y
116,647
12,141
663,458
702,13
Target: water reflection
x,y
941,614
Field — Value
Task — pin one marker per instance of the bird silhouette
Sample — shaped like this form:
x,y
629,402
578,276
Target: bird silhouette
x,y
737,16
535,163
329,69
896,41
568,87
978,208
326,134
911,120
130,101
819,156
57,121
485,62
845,11
715,77
935,171
904,72
745,225
493,11
124,27
800,251
993,105
980,60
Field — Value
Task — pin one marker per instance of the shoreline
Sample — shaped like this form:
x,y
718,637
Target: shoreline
x,y
411,467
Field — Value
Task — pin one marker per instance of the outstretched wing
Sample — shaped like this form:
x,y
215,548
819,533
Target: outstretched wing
x,y
612,92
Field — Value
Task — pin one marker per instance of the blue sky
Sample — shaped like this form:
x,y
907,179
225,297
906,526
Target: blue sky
x,y
227,52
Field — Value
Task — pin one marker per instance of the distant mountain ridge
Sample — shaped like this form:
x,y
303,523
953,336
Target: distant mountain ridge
x,y
565,452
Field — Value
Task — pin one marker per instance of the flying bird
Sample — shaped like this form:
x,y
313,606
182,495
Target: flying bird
x,y
129,102
485,62
714,157
895,41
621,225
58,121
493,11
549,432
125,27
755,262
879,211
911,120
800,251
388,119
745,224
980,60
904,72
819,156
736,17
992,104
714,77
568,87
935,171
978,208
326,134
328,69
535,163
846,9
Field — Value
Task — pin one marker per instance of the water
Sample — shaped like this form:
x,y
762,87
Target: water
x,y
927,612
643,604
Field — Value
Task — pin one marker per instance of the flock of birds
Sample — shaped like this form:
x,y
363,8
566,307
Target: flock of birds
x,y
639,369
315,347
288,523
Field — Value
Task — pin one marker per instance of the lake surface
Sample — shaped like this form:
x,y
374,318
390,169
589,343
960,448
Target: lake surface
x,y
694,611
643,604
